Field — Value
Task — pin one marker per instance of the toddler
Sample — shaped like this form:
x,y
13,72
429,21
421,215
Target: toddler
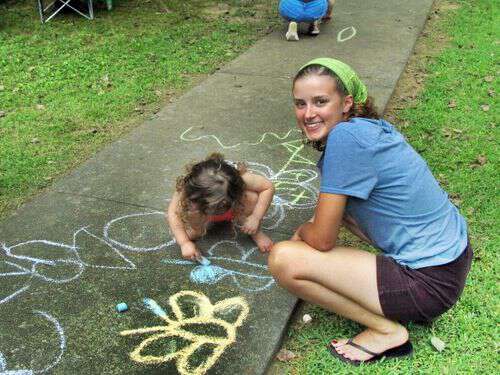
x,y
214,190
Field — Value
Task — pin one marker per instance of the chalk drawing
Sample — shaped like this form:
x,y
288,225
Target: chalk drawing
x,y
60,263
82,235
156,247
62,346
245,274
184,136
221,314
295,188
350,33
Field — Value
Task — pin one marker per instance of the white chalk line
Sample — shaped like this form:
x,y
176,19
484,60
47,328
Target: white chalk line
x,y
350,29
134,248
55,362
222,145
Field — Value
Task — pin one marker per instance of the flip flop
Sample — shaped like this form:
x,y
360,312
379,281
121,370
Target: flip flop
x,y
403,350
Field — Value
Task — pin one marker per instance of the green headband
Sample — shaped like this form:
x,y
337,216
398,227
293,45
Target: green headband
x,y
349,78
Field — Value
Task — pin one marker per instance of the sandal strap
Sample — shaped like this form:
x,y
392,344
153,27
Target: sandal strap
x,y
363,349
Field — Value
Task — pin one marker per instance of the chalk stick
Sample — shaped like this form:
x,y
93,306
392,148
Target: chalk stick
x,y
121,307
307,318
204,261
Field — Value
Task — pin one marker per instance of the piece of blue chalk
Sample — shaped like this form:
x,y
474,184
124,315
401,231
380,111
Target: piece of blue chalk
x,y
204,261
121,307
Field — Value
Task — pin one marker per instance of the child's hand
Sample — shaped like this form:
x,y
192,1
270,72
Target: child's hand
x,y
251,225
189,251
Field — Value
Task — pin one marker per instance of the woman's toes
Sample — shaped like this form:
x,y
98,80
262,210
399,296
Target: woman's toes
x,y
341,350
338,343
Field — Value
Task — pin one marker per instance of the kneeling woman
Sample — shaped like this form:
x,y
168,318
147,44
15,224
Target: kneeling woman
x,y
376,185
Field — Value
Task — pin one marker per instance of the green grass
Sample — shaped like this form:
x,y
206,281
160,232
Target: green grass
x,y
72,85
451,140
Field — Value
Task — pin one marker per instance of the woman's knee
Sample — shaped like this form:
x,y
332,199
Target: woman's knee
x,y
282,260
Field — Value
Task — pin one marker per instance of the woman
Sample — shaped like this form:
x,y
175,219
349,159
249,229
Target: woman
x,y
379,188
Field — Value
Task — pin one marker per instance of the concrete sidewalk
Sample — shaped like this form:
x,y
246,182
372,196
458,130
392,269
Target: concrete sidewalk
x,y
98,237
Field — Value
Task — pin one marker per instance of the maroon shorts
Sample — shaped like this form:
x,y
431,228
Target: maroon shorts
x,y
420,295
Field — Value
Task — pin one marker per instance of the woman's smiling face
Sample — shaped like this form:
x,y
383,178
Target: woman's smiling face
x,y
318,106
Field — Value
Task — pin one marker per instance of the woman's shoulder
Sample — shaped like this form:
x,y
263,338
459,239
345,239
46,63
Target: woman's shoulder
x,y
364,131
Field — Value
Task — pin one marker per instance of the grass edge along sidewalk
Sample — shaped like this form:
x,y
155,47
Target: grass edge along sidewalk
x,y
71,86
445,103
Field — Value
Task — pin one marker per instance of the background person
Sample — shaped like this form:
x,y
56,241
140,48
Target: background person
x,y
296,11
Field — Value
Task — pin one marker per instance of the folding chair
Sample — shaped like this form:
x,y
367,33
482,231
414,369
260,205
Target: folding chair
x,y
49,11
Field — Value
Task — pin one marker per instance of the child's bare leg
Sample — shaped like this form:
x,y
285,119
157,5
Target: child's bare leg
x,y
264,243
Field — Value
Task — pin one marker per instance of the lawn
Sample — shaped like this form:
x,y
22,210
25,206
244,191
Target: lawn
x,y
446,104
70,86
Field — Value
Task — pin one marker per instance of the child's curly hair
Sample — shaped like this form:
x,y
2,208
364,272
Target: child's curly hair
x,y
366,109
211,187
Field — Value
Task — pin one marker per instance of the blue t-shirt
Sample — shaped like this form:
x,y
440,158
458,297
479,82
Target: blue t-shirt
x,y
392,194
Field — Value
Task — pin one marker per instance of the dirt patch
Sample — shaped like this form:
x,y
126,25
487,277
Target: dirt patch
x,y
217,10
430,43
449,6
245,11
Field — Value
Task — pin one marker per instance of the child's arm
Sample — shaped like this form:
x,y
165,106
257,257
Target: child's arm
x,y
188,248
265,191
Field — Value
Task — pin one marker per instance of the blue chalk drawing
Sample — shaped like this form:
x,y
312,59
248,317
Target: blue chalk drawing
x,y
248,276
204,261
152,305
55,361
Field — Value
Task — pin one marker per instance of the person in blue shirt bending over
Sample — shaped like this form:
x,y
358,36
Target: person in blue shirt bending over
x,y
310,11
375,185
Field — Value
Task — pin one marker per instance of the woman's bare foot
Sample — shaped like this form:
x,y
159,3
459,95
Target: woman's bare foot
x,y
376,342
263,242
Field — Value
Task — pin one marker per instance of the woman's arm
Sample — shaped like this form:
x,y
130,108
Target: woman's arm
x,y
296,236
323,231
